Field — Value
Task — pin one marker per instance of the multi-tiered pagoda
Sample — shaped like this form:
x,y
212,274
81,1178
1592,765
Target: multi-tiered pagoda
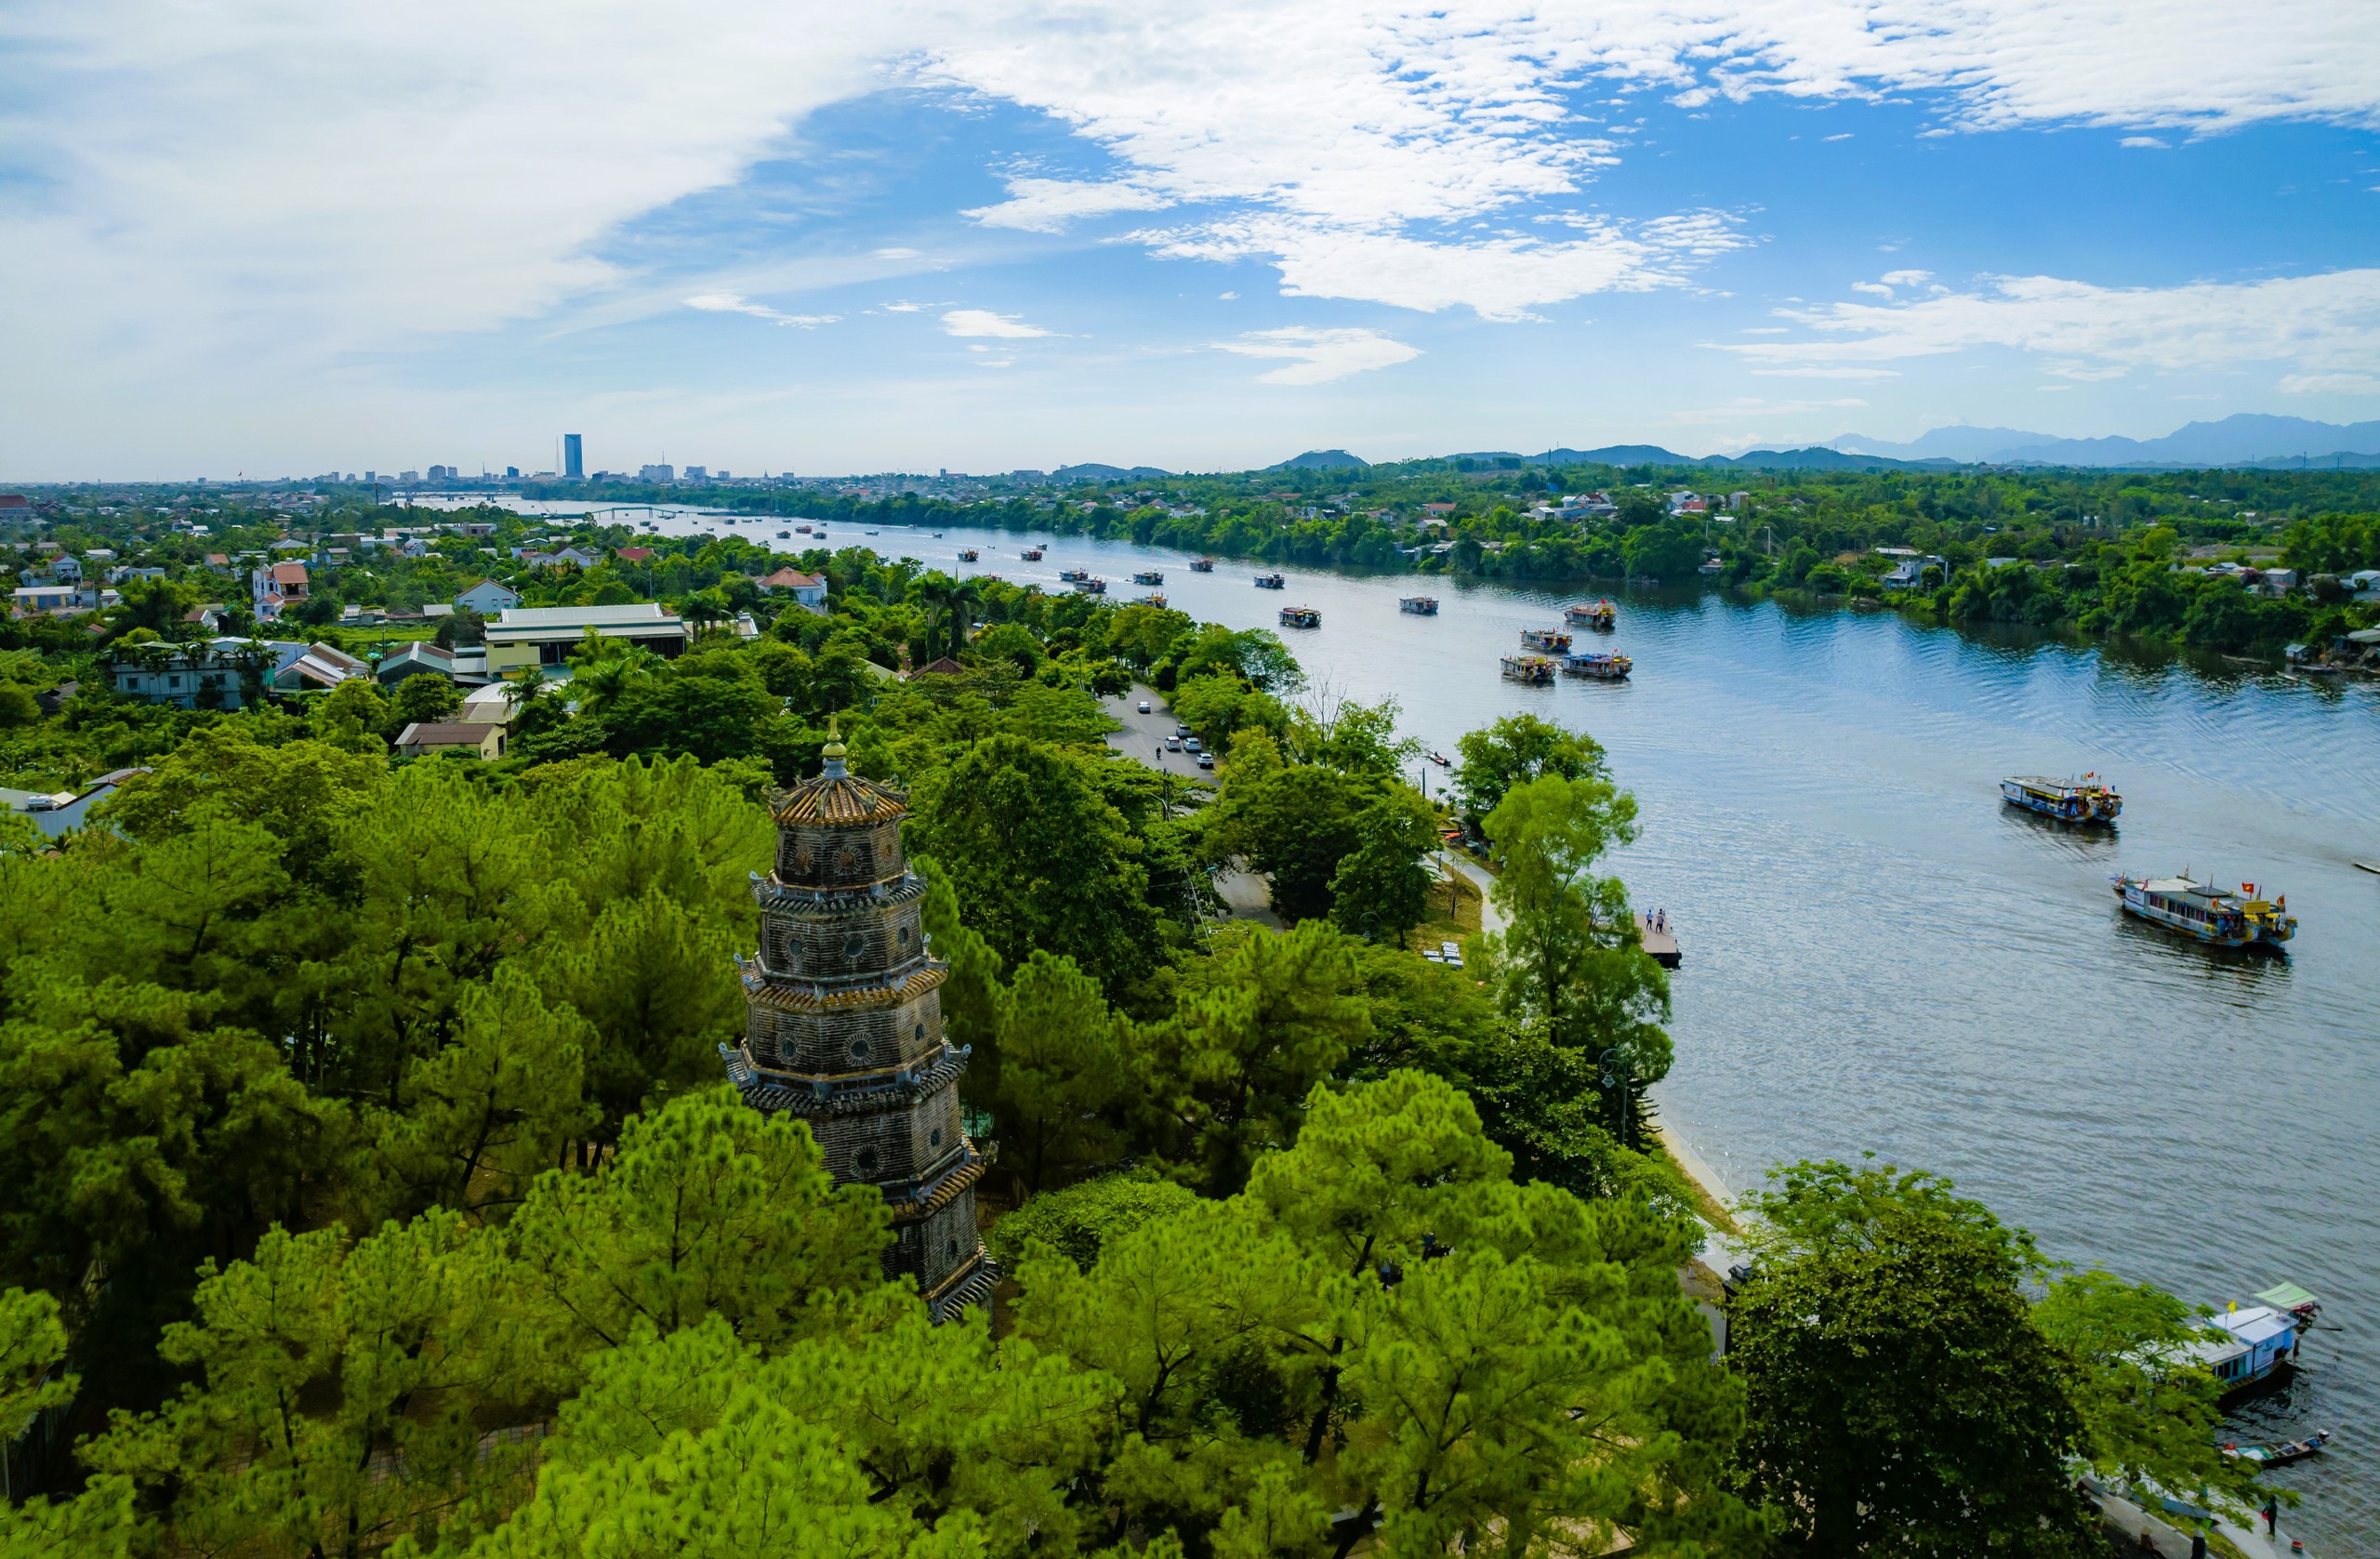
x,y
844,1026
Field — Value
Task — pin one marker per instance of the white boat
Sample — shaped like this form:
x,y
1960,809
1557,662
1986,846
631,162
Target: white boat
x,y
2248,1344
2088,799
2211,914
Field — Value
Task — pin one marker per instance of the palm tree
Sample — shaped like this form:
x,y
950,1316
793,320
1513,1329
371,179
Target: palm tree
x,y
705,609
964,599
601,685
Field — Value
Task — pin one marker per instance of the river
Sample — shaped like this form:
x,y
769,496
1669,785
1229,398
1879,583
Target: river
x,y
1880,956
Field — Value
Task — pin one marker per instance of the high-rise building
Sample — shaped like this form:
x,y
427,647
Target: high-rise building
x,y
573,461
843,1027
696,473
657,473
511,471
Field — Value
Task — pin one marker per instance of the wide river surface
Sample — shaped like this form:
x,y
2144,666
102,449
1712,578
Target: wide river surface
x,y
1881,956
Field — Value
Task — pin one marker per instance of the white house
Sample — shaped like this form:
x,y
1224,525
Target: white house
x,y
807,589
487,598
276,587
209,674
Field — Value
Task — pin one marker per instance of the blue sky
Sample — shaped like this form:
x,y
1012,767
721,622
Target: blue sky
x,y
759,236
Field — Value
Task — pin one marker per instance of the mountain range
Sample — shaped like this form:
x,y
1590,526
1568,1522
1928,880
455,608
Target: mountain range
x,y
2247,438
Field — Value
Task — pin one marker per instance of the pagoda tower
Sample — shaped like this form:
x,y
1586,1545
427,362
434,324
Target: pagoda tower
x,y
843,1027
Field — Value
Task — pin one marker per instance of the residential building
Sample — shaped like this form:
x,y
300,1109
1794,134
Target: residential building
x,y
66,569
414,660
809,590
15,506
209,675
696,473
547,635
273,587
422,737
34,600
491,705
657,473
52,814
487,598
633,554
319,668
573,459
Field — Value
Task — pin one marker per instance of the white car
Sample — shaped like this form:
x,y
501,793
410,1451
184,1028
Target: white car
x,y
1205,760
1174,744
1145,705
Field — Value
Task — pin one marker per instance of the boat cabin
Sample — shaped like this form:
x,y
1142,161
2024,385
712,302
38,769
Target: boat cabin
x,y
2247,1345
1419,606
1300,616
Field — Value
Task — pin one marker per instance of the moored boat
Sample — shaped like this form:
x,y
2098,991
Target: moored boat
x,y
1598,615
2280,1453
2247,1344
1419,606
1148,576
1528,668
2088,799
1090,586
1553,640
1300,616
2213,915
1271,582
1153,599
1202,565
1603,665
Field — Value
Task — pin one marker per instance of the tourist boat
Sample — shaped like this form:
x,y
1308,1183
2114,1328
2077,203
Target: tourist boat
x,y
1553,640
785,536
803,529
1155,600
1202,565
1419,606
1032,554
1271,582
1528,668
1076,575
1601,615
1089,587
1603,665
2088,799
1148,576
2280,1453
2247,1345
1300,616
969,555
2211,914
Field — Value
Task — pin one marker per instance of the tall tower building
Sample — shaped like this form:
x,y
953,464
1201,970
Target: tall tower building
x,y
843,1027
573,460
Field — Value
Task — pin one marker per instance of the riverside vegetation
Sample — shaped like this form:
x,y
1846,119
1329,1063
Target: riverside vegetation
x,y
372,1188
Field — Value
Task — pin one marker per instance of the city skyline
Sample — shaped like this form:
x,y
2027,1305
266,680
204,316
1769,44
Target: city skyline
x,y
1201,238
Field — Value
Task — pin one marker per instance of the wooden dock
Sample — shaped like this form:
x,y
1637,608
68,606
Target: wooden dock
x,y
1661,945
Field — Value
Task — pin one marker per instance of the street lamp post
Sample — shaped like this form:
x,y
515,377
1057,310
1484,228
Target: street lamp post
x,y
1615,1077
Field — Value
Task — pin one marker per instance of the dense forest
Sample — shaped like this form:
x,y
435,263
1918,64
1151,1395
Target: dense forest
x,y
373,1187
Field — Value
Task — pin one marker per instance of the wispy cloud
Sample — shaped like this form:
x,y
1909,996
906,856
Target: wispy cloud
x,y
2330,384
1319,356
1048,205
2156,142
2325,323
733,303
895,254
983,322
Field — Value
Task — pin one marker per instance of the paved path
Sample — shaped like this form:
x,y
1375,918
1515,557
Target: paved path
x,y
1248,897
1490,917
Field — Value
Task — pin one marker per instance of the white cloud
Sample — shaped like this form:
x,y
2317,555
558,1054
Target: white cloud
x,y
2158,143
1319,356
1874,289
903,308
983,322
1906,278
732,303
2328,322
1845,136
1814,373
896,252
1048,205
2330,384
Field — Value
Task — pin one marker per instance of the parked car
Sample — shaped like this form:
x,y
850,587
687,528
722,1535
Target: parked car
x,y
1145,705
1205,760
1174,744
1181,730
1190,743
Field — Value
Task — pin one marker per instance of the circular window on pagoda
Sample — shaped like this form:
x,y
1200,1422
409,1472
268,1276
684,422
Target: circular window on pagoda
x,y
905,936
859,1050
846,862
866,1162
802,860
854,945
934,1138
922,1033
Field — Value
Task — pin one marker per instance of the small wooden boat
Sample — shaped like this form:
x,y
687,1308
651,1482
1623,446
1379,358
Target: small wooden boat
x,y
1440,759
2281,1453
2372,867
1419,606
1202,565
2088,799
1300,616
1604,666
2211,914
1600,614
1148,576
1553,640
1528,668
1271,582
1031,554
969,555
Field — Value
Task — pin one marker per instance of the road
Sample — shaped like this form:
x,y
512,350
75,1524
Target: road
x,y
1142,738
